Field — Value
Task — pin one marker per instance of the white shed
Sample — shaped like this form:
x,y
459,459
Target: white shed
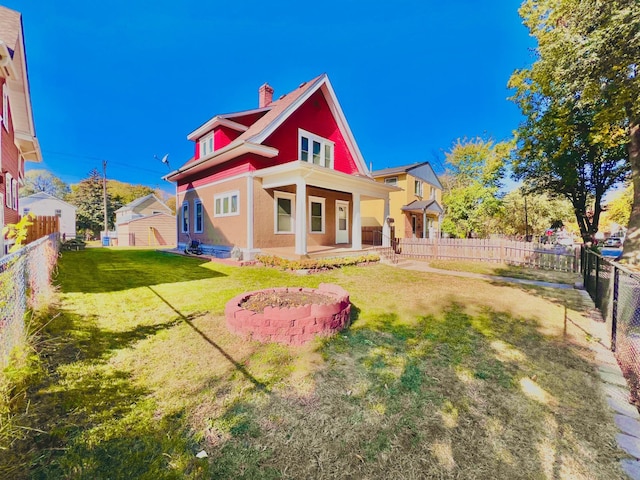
x,y
43,204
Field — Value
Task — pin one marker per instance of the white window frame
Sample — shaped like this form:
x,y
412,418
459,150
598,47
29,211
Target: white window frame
x,y
432,195
5,107
391,181
323,144
417,188
197,204
290,196
184,219
222,196
8,188
205,144
323,214
14,191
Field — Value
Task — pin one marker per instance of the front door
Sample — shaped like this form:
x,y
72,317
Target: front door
x,y
342,221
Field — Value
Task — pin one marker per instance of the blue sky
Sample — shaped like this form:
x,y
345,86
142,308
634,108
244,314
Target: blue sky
x,y
122,81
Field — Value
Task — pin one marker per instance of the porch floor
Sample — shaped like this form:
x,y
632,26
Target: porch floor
x,y
319,251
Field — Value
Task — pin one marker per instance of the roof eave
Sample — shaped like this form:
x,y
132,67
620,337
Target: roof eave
x,y
218,157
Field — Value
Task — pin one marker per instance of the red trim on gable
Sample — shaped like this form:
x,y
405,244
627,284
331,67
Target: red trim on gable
x,y
244,164
313,116
223,136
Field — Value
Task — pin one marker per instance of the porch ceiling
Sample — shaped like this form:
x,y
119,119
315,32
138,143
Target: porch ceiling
x,y
317,176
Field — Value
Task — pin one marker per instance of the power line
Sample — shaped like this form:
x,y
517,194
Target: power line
x,y
87,157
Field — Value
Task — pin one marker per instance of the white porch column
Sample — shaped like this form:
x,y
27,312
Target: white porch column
x,y
386,229
301,217
424,224
356,224
249,214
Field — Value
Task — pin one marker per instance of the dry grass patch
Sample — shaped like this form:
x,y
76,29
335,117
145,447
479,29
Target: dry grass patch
x,y
437,377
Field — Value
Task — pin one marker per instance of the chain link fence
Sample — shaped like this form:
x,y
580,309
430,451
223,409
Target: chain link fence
x,y
616,292
25,276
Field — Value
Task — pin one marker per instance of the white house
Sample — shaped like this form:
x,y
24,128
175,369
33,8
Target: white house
x,y
43,204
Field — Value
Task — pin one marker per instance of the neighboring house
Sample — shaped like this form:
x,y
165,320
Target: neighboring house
x,y
416,210
285,175
146,221
43,204
18,142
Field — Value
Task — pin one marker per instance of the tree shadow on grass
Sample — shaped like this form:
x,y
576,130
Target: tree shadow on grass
x,y
449,396
105,270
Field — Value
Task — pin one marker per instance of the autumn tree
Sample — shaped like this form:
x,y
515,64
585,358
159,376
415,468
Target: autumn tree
x,y
588,54
619,207
123,193
36,181
472,182
573,140
526,213
88,197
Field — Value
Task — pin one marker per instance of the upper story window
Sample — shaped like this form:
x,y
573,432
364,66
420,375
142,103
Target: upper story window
x,y
391,181
315,149
227,204
206,144
418,188
433,193
185,218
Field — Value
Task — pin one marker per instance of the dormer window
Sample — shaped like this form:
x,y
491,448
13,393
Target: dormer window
x,y
315,149
206,145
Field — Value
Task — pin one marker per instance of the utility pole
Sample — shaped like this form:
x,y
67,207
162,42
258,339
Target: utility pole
x,y
104,195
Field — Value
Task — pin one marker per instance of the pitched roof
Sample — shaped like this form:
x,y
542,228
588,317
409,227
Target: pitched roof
x,y
41,196
10,26
278,111
422,170
139,201
423,206
393,170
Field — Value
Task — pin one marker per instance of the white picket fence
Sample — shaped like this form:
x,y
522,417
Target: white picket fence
x,y
536,255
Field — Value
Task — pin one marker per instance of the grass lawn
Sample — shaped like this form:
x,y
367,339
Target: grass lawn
x,y
504,270
437,377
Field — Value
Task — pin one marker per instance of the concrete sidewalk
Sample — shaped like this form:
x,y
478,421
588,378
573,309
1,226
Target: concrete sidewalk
x,y
423,267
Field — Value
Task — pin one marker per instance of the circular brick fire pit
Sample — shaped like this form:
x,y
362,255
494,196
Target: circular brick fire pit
x,y
295,325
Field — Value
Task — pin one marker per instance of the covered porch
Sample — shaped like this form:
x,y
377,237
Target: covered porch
x,y
319,207
419,218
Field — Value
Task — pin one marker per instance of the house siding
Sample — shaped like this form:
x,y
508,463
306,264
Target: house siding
x,y
372,211
48,207
315,117
10,164
264,231
235,226
148,231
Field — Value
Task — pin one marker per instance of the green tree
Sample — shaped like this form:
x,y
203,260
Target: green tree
x,y
472,183
566,148
619,207
590,49
36,181
88,197
541,212
122,193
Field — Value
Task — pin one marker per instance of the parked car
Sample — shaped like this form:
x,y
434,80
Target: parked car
x,y
613,242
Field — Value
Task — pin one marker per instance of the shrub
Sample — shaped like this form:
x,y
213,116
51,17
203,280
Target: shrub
x,y
315,264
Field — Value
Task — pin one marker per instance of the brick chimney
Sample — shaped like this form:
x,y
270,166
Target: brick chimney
x,y
265,95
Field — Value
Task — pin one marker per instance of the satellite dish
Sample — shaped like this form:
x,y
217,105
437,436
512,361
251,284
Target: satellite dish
x,y
164,159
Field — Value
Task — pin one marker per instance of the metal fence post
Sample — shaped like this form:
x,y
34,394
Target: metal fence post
x,y
596,297
614,309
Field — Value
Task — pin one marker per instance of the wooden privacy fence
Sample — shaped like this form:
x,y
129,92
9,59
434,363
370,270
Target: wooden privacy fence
x,y
42,226
537,255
